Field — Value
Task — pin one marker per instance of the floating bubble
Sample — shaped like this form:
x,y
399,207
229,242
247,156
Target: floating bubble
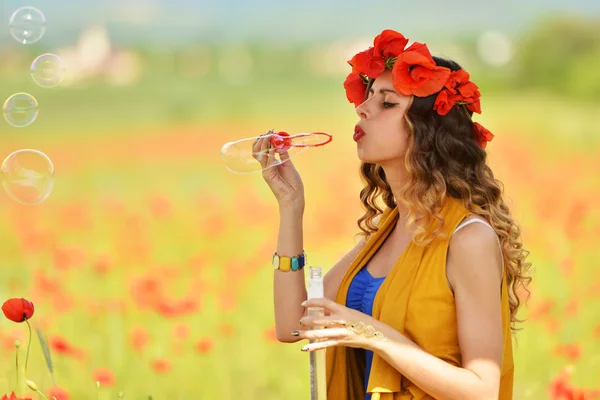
x,y
47,70
239,156
27,25
20,109
28,176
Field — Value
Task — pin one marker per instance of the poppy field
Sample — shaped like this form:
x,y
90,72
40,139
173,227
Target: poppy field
x,y
149,264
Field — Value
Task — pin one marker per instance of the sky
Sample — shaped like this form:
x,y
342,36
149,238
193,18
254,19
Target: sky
x,y
176,22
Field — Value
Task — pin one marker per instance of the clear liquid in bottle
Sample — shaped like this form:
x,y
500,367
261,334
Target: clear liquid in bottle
x,y
318,382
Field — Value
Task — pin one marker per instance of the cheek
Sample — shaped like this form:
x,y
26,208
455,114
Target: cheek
x,y
396,134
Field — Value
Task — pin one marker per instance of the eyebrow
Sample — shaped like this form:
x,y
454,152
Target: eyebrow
x,y
383,91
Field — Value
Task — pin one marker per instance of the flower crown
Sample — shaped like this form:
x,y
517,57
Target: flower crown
x,y
414,72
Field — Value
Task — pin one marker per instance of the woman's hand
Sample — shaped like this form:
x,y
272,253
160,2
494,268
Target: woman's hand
x,y
342,326
283,179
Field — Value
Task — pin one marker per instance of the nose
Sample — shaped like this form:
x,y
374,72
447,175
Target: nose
x,y
361,110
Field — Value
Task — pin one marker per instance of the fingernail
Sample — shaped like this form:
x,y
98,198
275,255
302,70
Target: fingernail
x,y
295,333
303,303
304,349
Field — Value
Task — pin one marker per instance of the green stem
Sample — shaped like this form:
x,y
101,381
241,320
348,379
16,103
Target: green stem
x,y
43,395
28,346
17,360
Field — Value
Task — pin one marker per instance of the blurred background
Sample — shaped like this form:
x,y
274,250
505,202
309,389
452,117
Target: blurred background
x,y
149,263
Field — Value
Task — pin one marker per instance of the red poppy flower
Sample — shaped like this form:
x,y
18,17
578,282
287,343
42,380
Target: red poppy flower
x,y
59,393
18,310
138,338
204,345
415,72
444,102
572,351
105,376
389,43
483,135
457,79
270,335
474,107
61,346
161,365
368,63
355,89
14,397
470,94
469,90
458,89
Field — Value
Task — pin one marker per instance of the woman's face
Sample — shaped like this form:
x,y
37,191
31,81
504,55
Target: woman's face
x,y
382,119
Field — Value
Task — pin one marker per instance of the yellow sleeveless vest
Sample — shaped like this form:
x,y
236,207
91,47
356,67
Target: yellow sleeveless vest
x,y
415,287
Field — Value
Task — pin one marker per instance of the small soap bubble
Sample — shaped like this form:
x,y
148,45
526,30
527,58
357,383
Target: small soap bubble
x,y
27,25
47,70
28,176
20,109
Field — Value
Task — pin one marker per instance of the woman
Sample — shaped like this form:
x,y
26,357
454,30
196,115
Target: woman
x,y
424,305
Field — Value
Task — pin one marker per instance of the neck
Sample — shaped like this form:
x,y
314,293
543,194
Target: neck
x,y
397,177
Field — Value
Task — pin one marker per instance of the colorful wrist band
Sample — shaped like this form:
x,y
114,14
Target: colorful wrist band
x,y
286,264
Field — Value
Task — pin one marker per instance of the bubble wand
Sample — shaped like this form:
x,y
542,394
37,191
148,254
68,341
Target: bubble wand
x,y
240,156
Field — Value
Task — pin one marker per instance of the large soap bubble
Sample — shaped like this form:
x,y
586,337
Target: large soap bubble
x,y
27,25
20,109
28,176
47,70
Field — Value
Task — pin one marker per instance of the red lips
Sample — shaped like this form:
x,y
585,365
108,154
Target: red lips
x,y
358,133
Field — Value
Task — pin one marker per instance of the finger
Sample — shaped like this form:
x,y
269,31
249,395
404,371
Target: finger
x,y
268,172
320,345
270,156
330,333
256,147
324,302
264,149
285,157
258,151
325,321
258,144
261,136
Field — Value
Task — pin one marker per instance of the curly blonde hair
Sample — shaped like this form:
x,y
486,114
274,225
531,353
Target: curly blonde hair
x,y
444,159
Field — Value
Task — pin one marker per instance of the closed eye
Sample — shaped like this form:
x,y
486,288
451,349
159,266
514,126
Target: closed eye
x,y
387,104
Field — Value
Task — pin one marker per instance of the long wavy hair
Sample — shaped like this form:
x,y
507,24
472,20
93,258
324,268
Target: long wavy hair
x,y
444,159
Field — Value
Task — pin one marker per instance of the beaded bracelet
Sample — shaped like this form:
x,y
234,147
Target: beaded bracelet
x,y
286,264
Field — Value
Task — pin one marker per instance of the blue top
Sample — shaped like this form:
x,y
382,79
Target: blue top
x,y
361,295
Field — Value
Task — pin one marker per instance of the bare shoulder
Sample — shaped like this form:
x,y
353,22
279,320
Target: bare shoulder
x,y
473,251
474,273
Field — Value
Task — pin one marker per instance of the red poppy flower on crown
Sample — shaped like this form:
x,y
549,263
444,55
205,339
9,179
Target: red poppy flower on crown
x,y
414,73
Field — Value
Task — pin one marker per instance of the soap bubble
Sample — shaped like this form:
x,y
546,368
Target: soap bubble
x,y
27,25
20,109
28,176
47,70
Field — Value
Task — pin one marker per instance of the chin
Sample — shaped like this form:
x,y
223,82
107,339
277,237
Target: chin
x,y
367,158
378,159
